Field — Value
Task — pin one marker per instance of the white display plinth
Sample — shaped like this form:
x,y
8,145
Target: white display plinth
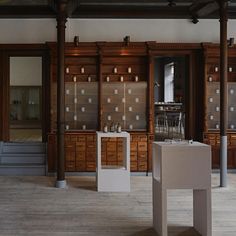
x,y
114,178
182,166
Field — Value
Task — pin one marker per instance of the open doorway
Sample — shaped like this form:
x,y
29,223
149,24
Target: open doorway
x,y
170,97
25,115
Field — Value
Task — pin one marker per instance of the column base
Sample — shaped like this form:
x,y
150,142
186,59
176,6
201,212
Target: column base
x,y
61,184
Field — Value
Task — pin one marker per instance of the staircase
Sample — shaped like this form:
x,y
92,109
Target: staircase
x,y
23,159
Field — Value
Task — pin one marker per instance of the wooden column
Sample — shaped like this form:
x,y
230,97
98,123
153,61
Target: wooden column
x,y
100,108
223,91
61,26
151,108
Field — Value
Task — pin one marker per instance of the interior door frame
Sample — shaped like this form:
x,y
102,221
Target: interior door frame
x,y
29,50
193,105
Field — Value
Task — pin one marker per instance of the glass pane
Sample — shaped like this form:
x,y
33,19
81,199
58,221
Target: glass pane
x,y
81,105
125,104
25,99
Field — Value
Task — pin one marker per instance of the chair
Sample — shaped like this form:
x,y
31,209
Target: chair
x,y
162,122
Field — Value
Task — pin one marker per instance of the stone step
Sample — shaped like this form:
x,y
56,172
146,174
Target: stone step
x,y
23,158
23,148
22,170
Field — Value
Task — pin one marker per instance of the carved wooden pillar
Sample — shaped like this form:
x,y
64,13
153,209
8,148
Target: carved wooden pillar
x,y
61,26
223,91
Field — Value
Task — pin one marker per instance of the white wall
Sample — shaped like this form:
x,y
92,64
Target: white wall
x,y
40,31
25,71
145,30
27,30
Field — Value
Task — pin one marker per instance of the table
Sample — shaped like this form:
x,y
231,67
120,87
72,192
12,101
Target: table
x,y
182,166
114,178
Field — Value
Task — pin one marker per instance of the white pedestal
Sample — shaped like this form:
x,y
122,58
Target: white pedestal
x,y
182,166
114,178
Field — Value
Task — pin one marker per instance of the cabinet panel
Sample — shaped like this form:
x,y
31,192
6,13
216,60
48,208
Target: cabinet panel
x,y
117,85
81,106
212,102
125,103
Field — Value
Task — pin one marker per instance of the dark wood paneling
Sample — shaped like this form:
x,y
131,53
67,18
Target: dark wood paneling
x,y
139,56
80,152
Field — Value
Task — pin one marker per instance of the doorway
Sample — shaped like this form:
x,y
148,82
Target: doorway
x,y
170,75
25,108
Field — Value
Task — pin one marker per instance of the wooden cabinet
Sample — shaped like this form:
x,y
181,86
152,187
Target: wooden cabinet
x,y
212,105
213,98
124,92
102,89
25,107
81,94
80,152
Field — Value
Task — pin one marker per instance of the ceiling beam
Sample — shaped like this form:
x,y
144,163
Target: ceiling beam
x,y
146,12
118,9
26,12
203,8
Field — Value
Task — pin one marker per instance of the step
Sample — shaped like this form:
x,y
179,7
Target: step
x,y
22,158
22,170
23,148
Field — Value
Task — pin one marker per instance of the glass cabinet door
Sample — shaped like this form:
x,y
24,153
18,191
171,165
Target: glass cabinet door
x,y
81,106
125,103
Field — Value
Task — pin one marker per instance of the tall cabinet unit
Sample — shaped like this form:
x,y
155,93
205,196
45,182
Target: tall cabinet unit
x,y
212,104
106,84
124,102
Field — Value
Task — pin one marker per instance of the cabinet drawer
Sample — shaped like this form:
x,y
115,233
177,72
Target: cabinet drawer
x,y
111,146
133,156
90,166
81,138
134,166
142,156
80,156
80,146
70,148
80,166
70,165
133,146
142,146
90,156
111,156
70,156
142,166
90,138
73,138
233,139
120,156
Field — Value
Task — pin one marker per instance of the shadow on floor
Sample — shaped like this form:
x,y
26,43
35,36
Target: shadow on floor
x,y
146,232
82,182
172,230
182,231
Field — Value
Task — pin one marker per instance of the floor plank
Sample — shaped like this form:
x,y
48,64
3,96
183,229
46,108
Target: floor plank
x,y
32,206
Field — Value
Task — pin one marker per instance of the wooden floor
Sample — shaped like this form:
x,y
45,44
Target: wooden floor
x,y
31,206
26,135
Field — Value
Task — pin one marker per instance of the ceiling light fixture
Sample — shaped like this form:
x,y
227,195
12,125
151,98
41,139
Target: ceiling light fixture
x,y
171,3
76,41
195,20
231,42
126,40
